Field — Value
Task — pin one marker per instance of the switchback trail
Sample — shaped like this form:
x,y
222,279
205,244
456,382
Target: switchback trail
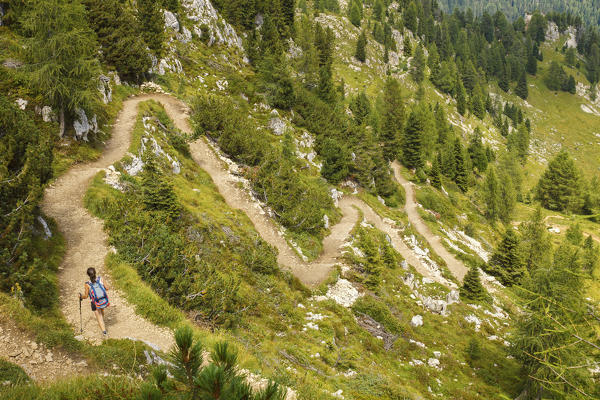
x,y
86,240
458,269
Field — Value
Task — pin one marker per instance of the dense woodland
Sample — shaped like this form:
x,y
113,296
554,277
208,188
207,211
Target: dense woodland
x,y
468,55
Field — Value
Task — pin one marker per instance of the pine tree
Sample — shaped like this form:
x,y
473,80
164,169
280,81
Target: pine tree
x,y
507,196
361,45
472,289
407,46
62,55
536,244
506,261
591,255
477,152
460,177
559,187
522,89
392,119
153,23
418,65
411,145
436,174
158,193
117,31
461,98
531,66
410,17
491,190
574,234
355,15
554,334
504,81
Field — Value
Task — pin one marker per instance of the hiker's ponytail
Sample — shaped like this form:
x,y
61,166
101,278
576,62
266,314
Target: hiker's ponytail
x,y
91,272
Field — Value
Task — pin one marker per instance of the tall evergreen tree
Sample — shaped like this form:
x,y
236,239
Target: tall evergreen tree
x,y
477,152
407,46
152,21
436,173
418,65
412,143
491,191
522,89
461,98
158,193
506,262
355,14
361,47
392,119
61,54
559,187
531,66
472,289
460,177
410,17
536,244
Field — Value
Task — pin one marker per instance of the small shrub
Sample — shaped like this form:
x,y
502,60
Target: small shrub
x,y
12,373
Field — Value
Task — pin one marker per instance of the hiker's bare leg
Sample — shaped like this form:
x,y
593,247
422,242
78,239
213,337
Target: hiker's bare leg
x,y
100,318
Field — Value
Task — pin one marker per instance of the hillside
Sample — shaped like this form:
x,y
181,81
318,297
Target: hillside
x,y
300,199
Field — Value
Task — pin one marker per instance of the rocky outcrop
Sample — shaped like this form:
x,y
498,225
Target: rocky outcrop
x,y
83,126
220,32
277,125
552,33
105,89
47,114
171,21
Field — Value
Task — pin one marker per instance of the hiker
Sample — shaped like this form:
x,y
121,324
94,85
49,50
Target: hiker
x,y
95,289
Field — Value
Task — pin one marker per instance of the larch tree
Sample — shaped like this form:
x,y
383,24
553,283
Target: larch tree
x,y
491,192
62,55
535,243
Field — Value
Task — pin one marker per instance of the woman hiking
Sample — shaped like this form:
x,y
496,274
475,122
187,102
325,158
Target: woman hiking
x,y
96,289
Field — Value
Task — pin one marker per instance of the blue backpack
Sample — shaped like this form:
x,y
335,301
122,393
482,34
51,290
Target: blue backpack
x,y
98,294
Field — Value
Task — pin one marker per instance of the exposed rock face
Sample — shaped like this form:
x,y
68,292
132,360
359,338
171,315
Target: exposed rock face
x,y
185,36
168,64
105,89
276,124
417,321
83,126
572,40
47,114
202,12
552,33
171,21
113,178
47,231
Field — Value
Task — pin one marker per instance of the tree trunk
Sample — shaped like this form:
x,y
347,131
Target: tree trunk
x,y
61,129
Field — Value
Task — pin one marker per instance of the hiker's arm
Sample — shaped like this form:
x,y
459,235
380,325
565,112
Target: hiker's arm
x,y
86,291
106,286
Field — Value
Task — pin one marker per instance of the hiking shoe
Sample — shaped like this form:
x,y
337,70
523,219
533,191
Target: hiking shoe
x,y
104,335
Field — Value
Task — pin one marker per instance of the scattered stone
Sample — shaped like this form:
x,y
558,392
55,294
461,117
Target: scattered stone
x,y
433,363
472,319
276,124
83,126
171,21
325,221
112,178
21,103
47,231
47,114
417,321
336,195
342,292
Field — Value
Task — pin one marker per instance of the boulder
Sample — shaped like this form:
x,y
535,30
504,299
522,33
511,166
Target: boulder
x,y
277,125
105,89
185,36
47,114
21,103
171,21
325,221
435,305
452,297
83,126
417,321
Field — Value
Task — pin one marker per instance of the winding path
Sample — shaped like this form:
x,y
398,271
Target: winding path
x,y
458,269
86,240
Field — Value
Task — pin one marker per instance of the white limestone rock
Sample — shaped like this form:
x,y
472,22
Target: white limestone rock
x,y
83,126
47,231
417,321
171,21
202,12
47,114
112,177
21,103
105,89
552,33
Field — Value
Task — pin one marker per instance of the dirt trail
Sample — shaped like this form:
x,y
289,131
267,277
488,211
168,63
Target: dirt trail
x,y
86,240
457,268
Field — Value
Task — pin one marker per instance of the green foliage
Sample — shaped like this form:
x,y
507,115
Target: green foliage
x,y
412,143
435,173
361,45
559,188
24,168
152,22
158,194
418,65
522,89
474,352
374,308
336,161
506,262
61,54
460,176
491,194
557,79
12,373
117,30
574,234
535,242
392,119
554,335
472,288
477,152
355,13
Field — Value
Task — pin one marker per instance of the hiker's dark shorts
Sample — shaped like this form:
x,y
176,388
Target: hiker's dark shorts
x,y
93,306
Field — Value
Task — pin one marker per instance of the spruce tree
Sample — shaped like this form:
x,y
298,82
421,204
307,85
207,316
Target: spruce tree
x,y
410,17
477,152
355,15
504,81
535,242
436,174
418,65
407,46
591,255
531,66
158,193
361,45
411,145
522,89
152,21
507,197
491,190
506,262
460,176
392,119
62,55
559,188
461,98
472,289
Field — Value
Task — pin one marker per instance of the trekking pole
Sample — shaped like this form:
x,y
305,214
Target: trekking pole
x,y
80,317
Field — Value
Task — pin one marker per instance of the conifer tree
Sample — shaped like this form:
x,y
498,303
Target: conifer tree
x,y
410,17
559,187
411,145
407,46
355,15
361,45
522,89
508,196
61,54
472,289
506,262
118,30
460,176
477,152
158,193
436,174
503,82
461,98
591,255
418,65
477,106
491,190
531,66
574,234
392,119
536,244
153,23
